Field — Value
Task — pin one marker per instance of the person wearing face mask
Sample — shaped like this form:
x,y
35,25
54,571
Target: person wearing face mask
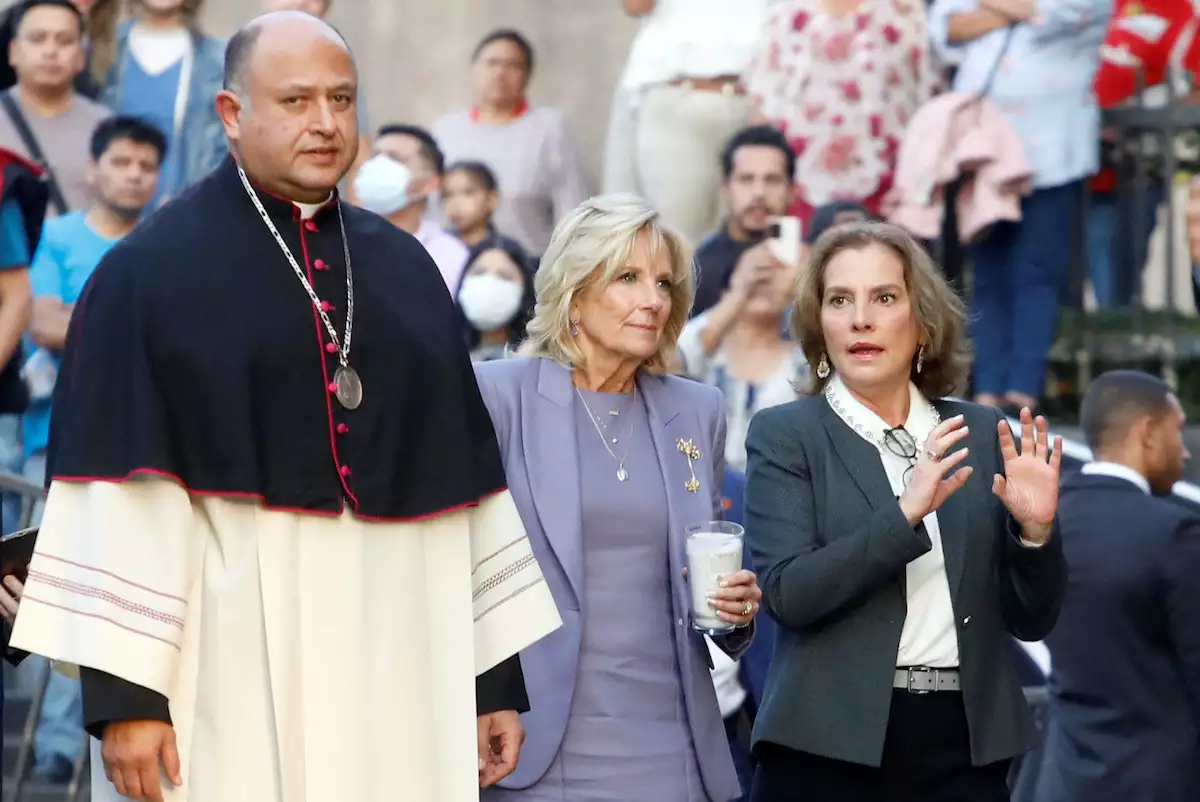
x,y
397,182
496,299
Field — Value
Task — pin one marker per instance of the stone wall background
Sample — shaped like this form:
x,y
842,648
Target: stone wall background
x,y
414,54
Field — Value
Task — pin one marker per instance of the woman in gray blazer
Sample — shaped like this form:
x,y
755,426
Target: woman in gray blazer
x,y
901,539
609,460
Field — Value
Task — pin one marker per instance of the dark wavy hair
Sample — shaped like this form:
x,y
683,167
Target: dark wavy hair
x,y
939,312
513,250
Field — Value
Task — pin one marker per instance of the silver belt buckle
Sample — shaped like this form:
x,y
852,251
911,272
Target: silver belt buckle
x,y
912,680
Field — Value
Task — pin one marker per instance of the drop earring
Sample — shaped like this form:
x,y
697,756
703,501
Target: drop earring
x,y
574,328
920,358
823,368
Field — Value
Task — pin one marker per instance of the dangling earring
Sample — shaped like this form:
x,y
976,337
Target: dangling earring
x,y
823,368
920,358
574,328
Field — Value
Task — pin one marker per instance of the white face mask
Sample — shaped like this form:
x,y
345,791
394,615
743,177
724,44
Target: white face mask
x,y
382,185
488,301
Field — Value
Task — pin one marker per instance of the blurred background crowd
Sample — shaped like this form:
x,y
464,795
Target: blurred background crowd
x,y
974,124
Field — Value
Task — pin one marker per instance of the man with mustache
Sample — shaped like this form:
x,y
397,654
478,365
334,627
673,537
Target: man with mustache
x,y
278,541
757,168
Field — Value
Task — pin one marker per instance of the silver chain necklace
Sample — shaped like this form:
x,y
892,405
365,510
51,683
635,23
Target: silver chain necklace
x,y
622,474
347,385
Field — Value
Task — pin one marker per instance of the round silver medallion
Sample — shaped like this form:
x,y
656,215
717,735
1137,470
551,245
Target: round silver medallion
x,y
622,474
349,389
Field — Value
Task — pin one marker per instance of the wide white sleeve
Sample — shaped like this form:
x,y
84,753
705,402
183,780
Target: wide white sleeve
x,y
110,579
512,604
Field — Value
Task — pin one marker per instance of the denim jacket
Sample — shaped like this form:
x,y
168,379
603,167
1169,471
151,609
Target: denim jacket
x,y
201,137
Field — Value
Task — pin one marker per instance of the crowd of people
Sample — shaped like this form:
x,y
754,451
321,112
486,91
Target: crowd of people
x,y
528,383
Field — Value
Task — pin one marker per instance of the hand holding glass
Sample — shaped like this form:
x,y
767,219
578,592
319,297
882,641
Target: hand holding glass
x,y
714,550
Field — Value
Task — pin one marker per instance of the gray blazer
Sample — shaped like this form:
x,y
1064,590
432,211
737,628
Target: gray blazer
x,y
531,403
830,546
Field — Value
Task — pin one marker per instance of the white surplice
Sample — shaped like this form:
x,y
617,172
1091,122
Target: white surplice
x,y
307,658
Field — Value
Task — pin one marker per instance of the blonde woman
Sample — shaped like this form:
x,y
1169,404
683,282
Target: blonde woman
x,y
621,702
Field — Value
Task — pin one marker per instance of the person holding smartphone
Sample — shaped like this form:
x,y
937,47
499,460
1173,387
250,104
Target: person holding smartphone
x,y
741,346
756,168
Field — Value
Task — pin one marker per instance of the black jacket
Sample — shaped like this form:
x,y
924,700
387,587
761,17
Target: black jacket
x,y
830,546
1124,717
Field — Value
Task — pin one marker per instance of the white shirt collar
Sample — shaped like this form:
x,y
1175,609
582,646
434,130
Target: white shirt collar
x,y
922,417
1117,471
307,210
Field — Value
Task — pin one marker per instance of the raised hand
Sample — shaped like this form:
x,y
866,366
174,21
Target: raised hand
x,y
1029,486
934,478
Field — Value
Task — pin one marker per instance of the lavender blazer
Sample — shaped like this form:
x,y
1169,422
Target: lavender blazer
x,y
532,407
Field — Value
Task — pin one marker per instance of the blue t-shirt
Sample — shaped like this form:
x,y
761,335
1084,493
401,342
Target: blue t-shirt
x,y
152,97
14,247
66,256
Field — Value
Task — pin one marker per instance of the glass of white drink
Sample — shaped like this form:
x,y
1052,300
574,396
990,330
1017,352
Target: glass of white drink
x,y
714,549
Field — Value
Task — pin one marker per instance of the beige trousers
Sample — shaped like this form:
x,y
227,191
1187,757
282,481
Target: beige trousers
x,y
665,144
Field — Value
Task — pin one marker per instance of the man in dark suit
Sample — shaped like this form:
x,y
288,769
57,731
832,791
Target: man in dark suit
x,y
1125,683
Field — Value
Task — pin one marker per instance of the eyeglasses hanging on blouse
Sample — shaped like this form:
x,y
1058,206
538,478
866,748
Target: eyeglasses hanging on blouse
x,y
901,443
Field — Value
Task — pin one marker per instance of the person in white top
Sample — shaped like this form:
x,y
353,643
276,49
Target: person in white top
x,y
741,347
903,540
678,102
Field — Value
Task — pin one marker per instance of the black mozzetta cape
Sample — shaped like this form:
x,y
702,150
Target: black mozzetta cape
x,y
195,353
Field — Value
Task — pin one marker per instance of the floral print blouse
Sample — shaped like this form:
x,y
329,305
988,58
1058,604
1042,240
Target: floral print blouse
x,y
842,89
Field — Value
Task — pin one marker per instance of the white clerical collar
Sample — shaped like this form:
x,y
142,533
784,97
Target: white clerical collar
x,y
1117,471
307,210
922,417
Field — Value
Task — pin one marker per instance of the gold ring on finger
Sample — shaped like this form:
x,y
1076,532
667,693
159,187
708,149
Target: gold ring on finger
x,y
749,608
933,455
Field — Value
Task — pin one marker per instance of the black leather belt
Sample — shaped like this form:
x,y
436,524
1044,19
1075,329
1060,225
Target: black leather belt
x,y
920,679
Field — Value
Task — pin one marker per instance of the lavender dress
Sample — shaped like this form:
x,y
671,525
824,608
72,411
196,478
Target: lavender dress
x,y
627,738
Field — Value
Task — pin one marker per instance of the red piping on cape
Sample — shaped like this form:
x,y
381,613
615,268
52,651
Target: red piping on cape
x,y
337,462
262,499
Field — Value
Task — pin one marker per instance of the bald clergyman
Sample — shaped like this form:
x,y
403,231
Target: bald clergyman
x,y
278,542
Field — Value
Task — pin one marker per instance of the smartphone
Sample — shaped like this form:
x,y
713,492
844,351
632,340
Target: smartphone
x,y
16,550
786,235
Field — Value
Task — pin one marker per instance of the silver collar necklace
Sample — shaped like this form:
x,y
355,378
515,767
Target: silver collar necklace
x,y
348,386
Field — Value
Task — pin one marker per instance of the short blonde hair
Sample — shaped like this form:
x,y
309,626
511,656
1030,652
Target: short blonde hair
x,y
590,244
939,312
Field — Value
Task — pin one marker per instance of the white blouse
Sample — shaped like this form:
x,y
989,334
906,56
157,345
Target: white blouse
x,y
929,637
